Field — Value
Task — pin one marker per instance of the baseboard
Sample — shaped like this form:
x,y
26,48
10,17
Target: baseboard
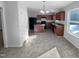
x,y
19,45
22,43
74,44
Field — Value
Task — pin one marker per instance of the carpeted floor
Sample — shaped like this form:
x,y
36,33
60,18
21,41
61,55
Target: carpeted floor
x,y
38,44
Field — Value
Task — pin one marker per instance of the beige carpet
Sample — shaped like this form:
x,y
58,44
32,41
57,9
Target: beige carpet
x,y
53,53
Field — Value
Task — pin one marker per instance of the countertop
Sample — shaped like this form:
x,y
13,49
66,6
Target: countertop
x,y
57,24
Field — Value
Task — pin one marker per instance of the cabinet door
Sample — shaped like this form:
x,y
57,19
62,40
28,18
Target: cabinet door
x,y
49,17
59,30
38,17
58,16
53,17
63,15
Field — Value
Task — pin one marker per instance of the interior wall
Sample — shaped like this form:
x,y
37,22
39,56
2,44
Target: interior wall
x,y
23,23
12,27
16,24
32,14
74,40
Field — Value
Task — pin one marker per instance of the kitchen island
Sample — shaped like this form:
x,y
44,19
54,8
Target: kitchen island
x,y
39,27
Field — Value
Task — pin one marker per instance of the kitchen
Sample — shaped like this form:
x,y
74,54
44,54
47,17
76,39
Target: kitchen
x,y
55,22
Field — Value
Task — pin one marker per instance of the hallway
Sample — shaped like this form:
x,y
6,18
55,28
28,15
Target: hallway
x,y
39,43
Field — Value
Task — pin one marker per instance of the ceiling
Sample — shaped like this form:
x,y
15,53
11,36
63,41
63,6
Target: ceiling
x,y
52,6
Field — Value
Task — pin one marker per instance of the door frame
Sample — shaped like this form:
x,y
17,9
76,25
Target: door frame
x,y
4,28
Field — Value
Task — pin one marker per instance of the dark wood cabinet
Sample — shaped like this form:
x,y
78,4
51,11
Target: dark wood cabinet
x,y
60,15
38,17
59,30
48,17
53,17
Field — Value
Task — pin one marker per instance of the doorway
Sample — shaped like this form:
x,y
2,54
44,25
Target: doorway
x,y
32,22
1,31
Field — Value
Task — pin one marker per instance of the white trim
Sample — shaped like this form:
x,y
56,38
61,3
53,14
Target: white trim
x,y
4,27
71,41
68,18
74,9
73,34
68,22
74,22
19,45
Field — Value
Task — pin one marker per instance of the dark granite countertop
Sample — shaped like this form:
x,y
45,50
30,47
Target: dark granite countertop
x,y
57,24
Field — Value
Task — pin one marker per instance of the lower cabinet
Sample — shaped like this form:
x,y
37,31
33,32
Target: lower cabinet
x,y
39,28
59,30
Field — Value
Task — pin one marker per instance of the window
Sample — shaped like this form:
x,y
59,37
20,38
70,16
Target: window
x,y
74,21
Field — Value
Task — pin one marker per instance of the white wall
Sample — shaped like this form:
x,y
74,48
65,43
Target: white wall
x,y
16,19
12,26
32,13
74,40
23,22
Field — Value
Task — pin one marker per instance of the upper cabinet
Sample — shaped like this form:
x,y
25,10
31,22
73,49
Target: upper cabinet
x,y
53,17
38,17
60,15
48,17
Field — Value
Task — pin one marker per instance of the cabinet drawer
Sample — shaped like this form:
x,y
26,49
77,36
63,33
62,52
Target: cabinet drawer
x,y
59,30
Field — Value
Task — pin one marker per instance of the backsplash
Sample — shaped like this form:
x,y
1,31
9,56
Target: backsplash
x,y
60,22
44,20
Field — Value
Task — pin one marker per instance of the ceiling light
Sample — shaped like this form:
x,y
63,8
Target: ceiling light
x,y
47,11
44,11
41,11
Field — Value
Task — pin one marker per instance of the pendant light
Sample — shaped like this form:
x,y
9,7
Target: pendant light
x,y
44,11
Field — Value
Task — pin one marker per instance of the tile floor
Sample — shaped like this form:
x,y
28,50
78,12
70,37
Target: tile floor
x,y
39,43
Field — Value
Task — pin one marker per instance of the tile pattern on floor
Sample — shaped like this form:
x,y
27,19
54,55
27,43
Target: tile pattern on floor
x,y
39,43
